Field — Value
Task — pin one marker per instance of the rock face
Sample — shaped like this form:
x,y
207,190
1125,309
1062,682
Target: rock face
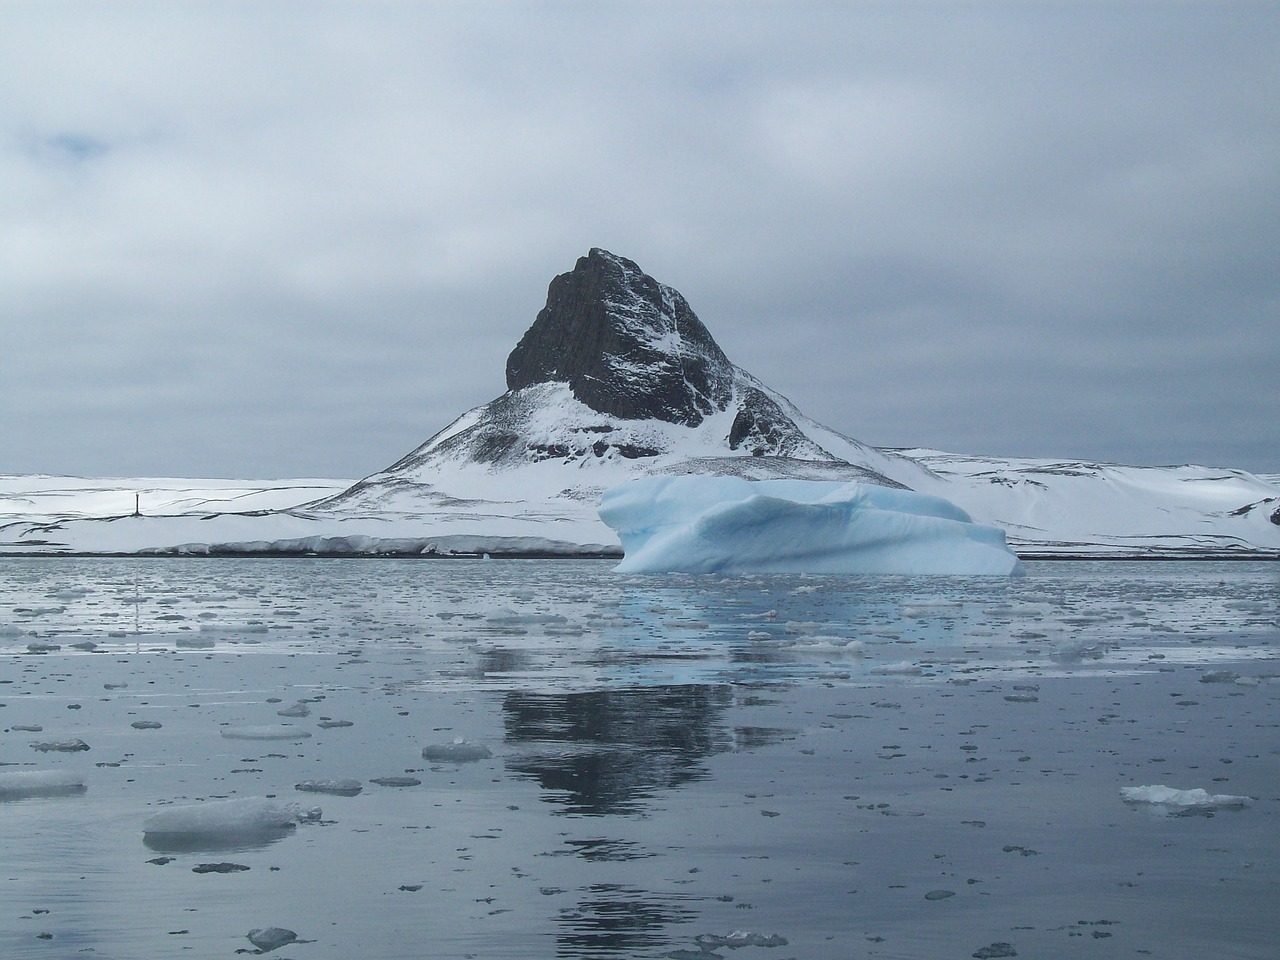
x,y
625,344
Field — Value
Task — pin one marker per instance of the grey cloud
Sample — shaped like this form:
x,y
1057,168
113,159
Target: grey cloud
x,y
299,245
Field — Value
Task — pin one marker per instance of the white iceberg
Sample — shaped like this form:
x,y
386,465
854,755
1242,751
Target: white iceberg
x,y
699,524
1184,800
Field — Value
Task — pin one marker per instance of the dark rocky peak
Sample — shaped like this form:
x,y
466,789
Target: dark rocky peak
x,y
625,344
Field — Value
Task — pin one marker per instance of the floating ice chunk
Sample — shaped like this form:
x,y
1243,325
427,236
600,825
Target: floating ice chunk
x,y
737,939
271,731
60,746
341,788
923,609
18,784
900,668
1220,676
699,524
271,938
827,644
1195,800
244,816
459,751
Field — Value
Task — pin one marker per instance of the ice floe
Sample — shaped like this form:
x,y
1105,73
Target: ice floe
x,y
698,524
271,938
270,731
340,788
1190,801
457,751
243,816
60,746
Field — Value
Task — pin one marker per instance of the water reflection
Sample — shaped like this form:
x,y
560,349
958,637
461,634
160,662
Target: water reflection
x,y
605,751
615,919
239,842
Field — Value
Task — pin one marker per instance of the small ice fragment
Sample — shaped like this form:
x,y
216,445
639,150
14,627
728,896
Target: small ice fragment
x,y
341,788
27,728
146,724
998,949
61,746
738,938
39,646
396,781
299,709
20,784
903,668
333,724
271,938
459,751
939,894
280,731
1220,676
222,867
1188,800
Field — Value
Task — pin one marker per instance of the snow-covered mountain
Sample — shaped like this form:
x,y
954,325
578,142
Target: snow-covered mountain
x,y
618,378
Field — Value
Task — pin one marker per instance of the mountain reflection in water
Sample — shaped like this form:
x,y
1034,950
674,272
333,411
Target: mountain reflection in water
x,y
603,752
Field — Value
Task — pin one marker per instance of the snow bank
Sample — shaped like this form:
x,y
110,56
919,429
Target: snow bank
x,y
245,816
701,524
19,784
1189,800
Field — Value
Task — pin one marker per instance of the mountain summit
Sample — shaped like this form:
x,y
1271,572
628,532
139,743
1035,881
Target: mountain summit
x,y
625,344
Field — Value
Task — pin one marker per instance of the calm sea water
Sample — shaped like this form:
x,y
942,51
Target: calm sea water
x,y
775,767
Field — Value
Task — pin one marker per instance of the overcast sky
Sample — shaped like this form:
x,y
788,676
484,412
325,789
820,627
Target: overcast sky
x,y
280,239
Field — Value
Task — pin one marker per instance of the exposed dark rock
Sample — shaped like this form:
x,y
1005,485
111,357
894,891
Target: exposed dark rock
x,y
762,427
625,344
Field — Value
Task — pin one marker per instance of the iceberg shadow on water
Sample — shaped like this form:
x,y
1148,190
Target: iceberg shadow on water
x,y
698,524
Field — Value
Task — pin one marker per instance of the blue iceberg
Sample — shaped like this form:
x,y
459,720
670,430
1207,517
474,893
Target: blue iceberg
x,y
703,524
